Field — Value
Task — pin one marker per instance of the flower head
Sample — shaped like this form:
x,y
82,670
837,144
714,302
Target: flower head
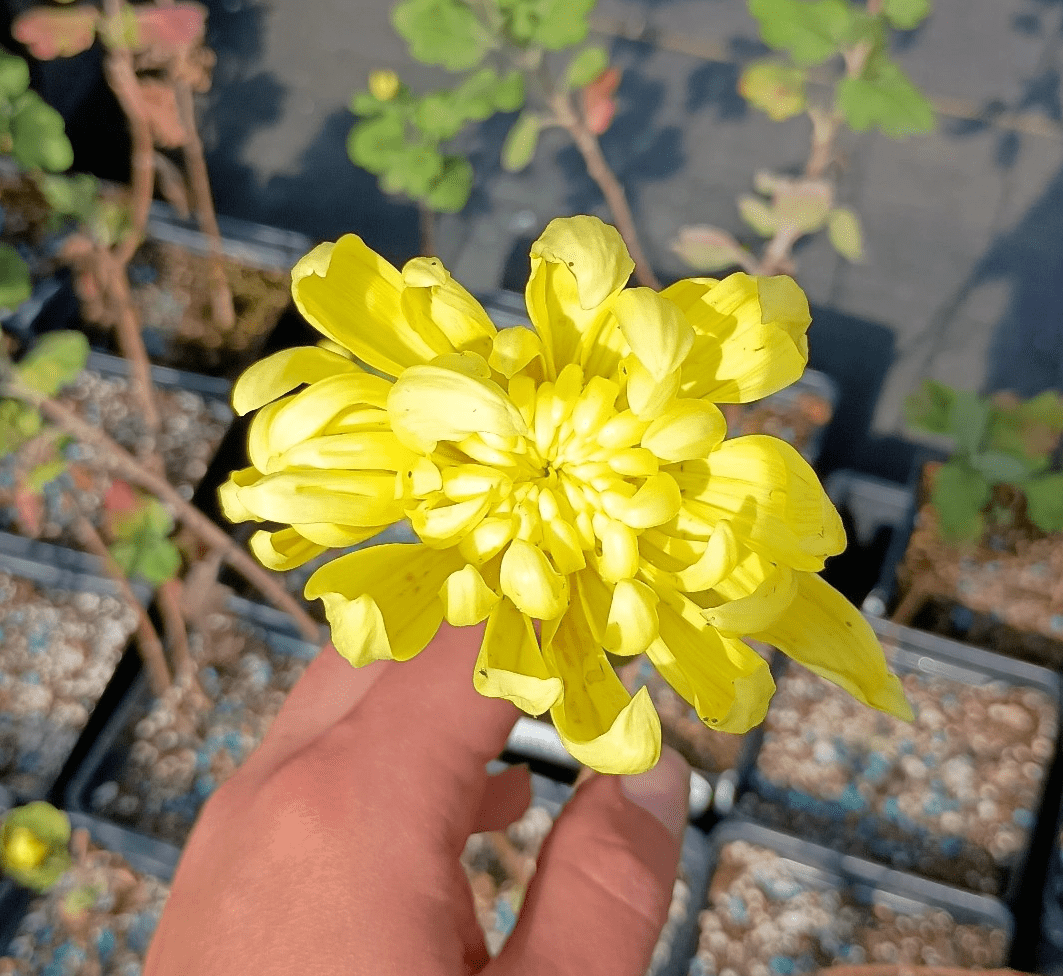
x,y
575,474
33,845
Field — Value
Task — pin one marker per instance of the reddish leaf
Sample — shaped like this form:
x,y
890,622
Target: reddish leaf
x,y
599,105
160,106
171,28
51,33
120,498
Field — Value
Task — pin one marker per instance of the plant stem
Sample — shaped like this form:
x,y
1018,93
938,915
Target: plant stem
x,y
199,524
426,221
599,171
148,643
177,634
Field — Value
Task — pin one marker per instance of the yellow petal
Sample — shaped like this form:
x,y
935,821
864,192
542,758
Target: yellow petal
x,y
510,664
620,549
428,404
347,497
283,550
759,609
686,429
282,372
528,579
374,449
655,503
512,349
559,535
632,625
658,334
727,683
229,494
350,294
598,722
488,538
442,311
750,335
333,536
445,525
770,494
466,481
648,397
577,265
383,602
823,631
467,599
714,564
623,430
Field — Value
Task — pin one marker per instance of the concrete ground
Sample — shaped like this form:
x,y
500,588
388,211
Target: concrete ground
x,y
963,279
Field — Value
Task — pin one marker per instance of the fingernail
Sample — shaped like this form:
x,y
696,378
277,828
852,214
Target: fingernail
x,y
663,790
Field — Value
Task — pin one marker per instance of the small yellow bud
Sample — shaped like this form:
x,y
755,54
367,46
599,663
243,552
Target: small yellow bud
x,y
384,84
24,850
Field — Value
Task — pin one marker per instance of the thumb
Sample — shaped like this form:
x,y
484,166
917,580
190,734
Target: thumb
x,y
601,892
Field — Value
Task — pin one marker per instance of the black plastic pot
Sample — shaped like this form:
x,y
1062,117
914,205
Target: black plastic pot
x,y
815,868
889,836
58,569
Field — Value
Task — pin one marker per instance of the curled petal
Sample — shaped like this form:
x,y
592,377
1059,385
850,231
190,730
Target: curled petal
x,y
528,579
687,429
467,599
229,494
445,525
283,550
510,664
598,722
363,450
828,635
442,311
716,563
333,536
771,496
359,498
620,549
632,624
656,502
429,404
727,683
648,397
512,350
282,372
658,334
350,294
758,610
383,602
750,335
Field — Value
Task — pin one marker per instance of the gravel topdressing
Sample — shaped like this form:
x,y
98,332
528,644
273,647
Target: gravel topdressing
x,y
58,650
767,916
953,796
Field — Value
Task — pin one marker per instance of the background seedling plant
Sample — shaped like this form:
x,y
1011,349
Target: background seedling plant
x,y
844,47
507,53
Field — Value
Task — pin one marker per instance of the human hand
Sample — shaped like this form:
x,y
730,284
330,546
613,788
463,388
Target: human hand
x,y
335,848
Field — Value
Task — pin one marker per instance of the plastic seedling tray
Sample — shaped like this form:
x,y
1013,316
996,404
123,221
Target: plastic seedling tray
x,y
814,901
38,739
954,796
210,388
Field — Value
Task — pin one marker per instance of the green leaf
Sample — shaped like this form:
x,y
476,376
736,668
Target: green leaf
x,y
811,30
707,249
930,409
845,233
443,32
509,95
775,89
54,361
586,66
884,98
968,419
521,140
802,203
1000,467
451,191
562,23
758,214
156,560
959,495
14,75
421,167
365,103
44,826
43,473
1044,502
375,143
39,135
15,284
73,196
439,115
905,14
476,95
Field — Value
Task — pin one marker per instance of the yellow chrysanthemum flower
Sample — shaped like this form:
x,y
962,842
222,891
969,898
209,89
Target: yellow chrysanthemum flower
x,y
575,473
